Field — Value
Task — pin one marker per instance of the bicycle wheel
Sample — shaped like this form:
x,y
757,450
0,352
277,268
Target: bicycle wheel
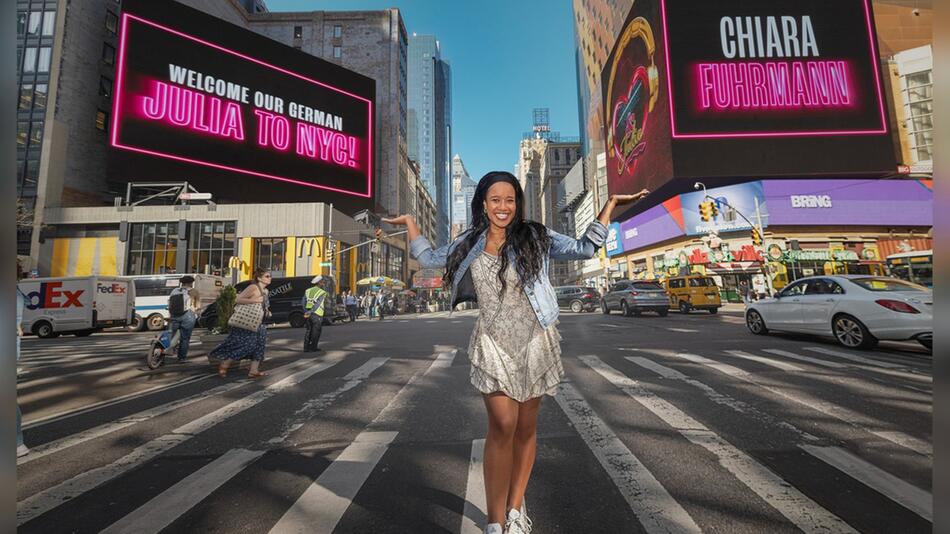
x,y
156,356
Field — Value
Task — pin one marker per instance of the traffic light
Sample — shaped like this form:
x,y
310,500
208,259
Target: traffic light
x,y
756,237
713,210
706,210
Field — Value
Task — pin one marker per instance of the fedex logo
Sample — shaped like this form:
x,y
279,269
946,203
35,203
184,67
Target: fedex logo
x,y
50,296
114,288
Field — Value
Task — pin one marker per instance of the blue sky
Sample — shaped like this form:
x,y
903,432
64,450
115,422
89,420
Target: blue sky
x,y
507,57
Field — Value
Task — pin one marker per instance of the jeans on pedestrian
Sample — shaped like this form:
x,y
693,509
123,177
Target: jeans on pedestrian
x,y
186,324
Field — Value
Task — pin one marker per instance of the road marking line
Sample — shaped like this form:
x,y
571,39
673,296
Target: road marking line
x,y
721,367
474,512
47,500
657,510
110,402
816,361
609,325
164,509
311,407
805,513
51,447
854,358
767,361
321,505
685,330
721,398
833,410
907,495
175,501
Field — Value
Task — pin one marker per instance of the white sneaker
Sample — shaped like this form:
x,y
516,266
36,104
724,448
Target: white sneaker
x,y
493,528
518,522
22,450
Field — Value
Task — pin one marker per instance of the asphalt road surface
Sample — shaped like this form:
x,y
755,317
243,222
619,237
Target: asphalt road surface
x,y
678,424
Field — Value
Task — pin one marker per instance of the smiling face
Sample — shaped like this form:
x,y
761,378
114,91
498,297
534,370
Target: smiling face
x,y
500,204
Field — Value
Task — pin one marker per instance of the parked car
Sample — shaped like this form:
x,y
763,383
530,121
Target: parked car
x,y
857,310
577,298
77,305
633,297
693,292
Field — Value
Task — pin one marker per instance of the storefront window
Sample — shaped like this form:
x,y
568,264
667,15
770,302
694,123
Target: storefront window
x,y
153,248
269,253
211,245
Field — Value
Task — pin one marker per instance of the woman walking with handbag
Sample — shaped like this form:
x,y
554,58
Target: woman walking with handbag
x,y
502,263
248,334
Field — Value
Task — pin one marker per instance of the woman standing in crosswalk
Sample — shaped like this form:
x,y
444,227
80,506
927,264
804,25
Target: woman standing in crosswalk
x,y
501,262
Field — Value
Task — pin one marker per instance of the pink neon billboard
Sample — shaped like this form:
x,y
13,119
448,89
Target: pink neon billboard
x,y
777,68
181,96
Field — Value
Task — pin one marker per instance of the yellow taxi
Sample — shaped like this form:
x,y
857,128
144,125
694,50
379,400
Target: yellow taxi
x,y
693,292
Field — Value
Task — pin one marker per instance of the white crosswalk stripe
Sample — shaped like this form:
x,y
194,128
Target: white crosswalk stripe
x,y
791,503
854,357
475,509
907,495
816,361
49,499
841,413
767,361
657,510
161,511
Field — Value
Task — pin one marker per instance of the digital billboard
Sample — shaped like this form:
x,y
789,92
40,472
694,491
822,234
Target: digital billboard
x,y
237,113
636,106
775,68
729,91
732,203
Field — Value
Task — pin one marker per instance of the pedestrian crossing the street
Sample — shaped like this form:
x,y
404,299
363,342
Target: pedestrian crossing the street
x,y
666,433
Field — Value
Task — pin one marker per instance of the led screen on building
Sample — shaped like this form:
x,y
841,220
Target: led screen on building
x,y
232,110
730,90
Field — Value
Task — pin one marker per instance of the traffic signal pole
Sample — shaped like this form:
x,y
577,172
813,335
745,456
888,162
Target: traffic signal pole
x,y
757,227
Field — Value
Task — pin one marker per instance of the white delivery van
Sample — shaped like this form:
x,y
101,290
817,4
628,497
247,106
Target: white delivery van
x,y
77,305
152,292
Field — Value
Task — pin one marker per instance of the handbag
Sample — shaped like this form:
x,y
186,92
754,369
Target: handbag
x,y
247,317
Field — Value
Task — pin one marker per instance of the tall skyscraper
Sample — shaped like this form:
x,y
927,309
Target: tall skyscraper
x,y
430,123
463,190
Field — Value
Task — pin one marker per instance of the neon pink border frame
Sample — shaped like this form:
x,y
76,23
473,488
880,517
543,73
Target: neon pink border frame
x,y
877,86
114,141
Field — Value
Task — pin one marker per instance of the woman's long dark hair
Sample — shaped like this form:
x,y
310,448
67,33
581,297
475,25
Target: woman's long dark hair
x,y
528,240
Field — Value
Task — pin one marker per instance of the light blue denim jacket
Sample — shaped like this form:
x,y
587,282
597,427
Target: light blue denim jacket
x,y
540,293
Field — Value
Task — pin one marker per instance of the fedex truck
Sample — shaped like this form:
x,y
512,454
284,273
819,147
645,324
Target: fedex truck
x,y
77,305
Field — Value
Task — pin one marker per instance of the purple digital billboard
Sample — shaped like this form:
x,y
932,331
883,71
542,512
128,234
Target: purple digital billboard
x,y
849,202
652,226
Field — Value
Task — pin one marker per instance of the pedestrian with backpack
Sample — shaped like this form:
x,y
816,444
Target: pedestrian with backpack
x,y
182,305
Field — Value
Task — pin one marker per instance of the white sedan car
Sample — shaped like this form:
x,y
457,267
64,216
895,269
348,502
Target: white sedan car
x,y
858,310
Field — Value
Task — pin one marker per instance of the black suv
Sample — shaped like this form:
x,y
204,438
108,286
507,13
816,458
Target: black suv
x,y
577,298
286,302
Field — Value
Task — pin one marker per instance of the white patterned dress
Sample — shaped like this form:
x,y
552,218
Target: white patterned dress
x,y
510,351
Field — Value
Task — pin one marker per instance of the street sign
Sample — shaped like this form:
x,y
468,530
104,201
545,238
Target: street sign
x,y
326,264
195,196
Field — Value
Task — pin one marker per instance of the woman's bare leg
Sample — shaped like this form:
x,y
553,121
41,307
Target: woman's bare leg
x,y
525,446
502,421
255,367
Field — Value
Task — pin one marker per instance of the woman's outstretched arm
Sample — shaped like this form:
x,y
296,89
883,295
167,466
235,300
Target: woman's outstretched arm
x,y
419,246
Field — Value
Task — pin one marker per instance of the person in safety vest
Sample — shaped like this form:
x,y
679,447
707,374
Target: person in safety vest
x,y
315,301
